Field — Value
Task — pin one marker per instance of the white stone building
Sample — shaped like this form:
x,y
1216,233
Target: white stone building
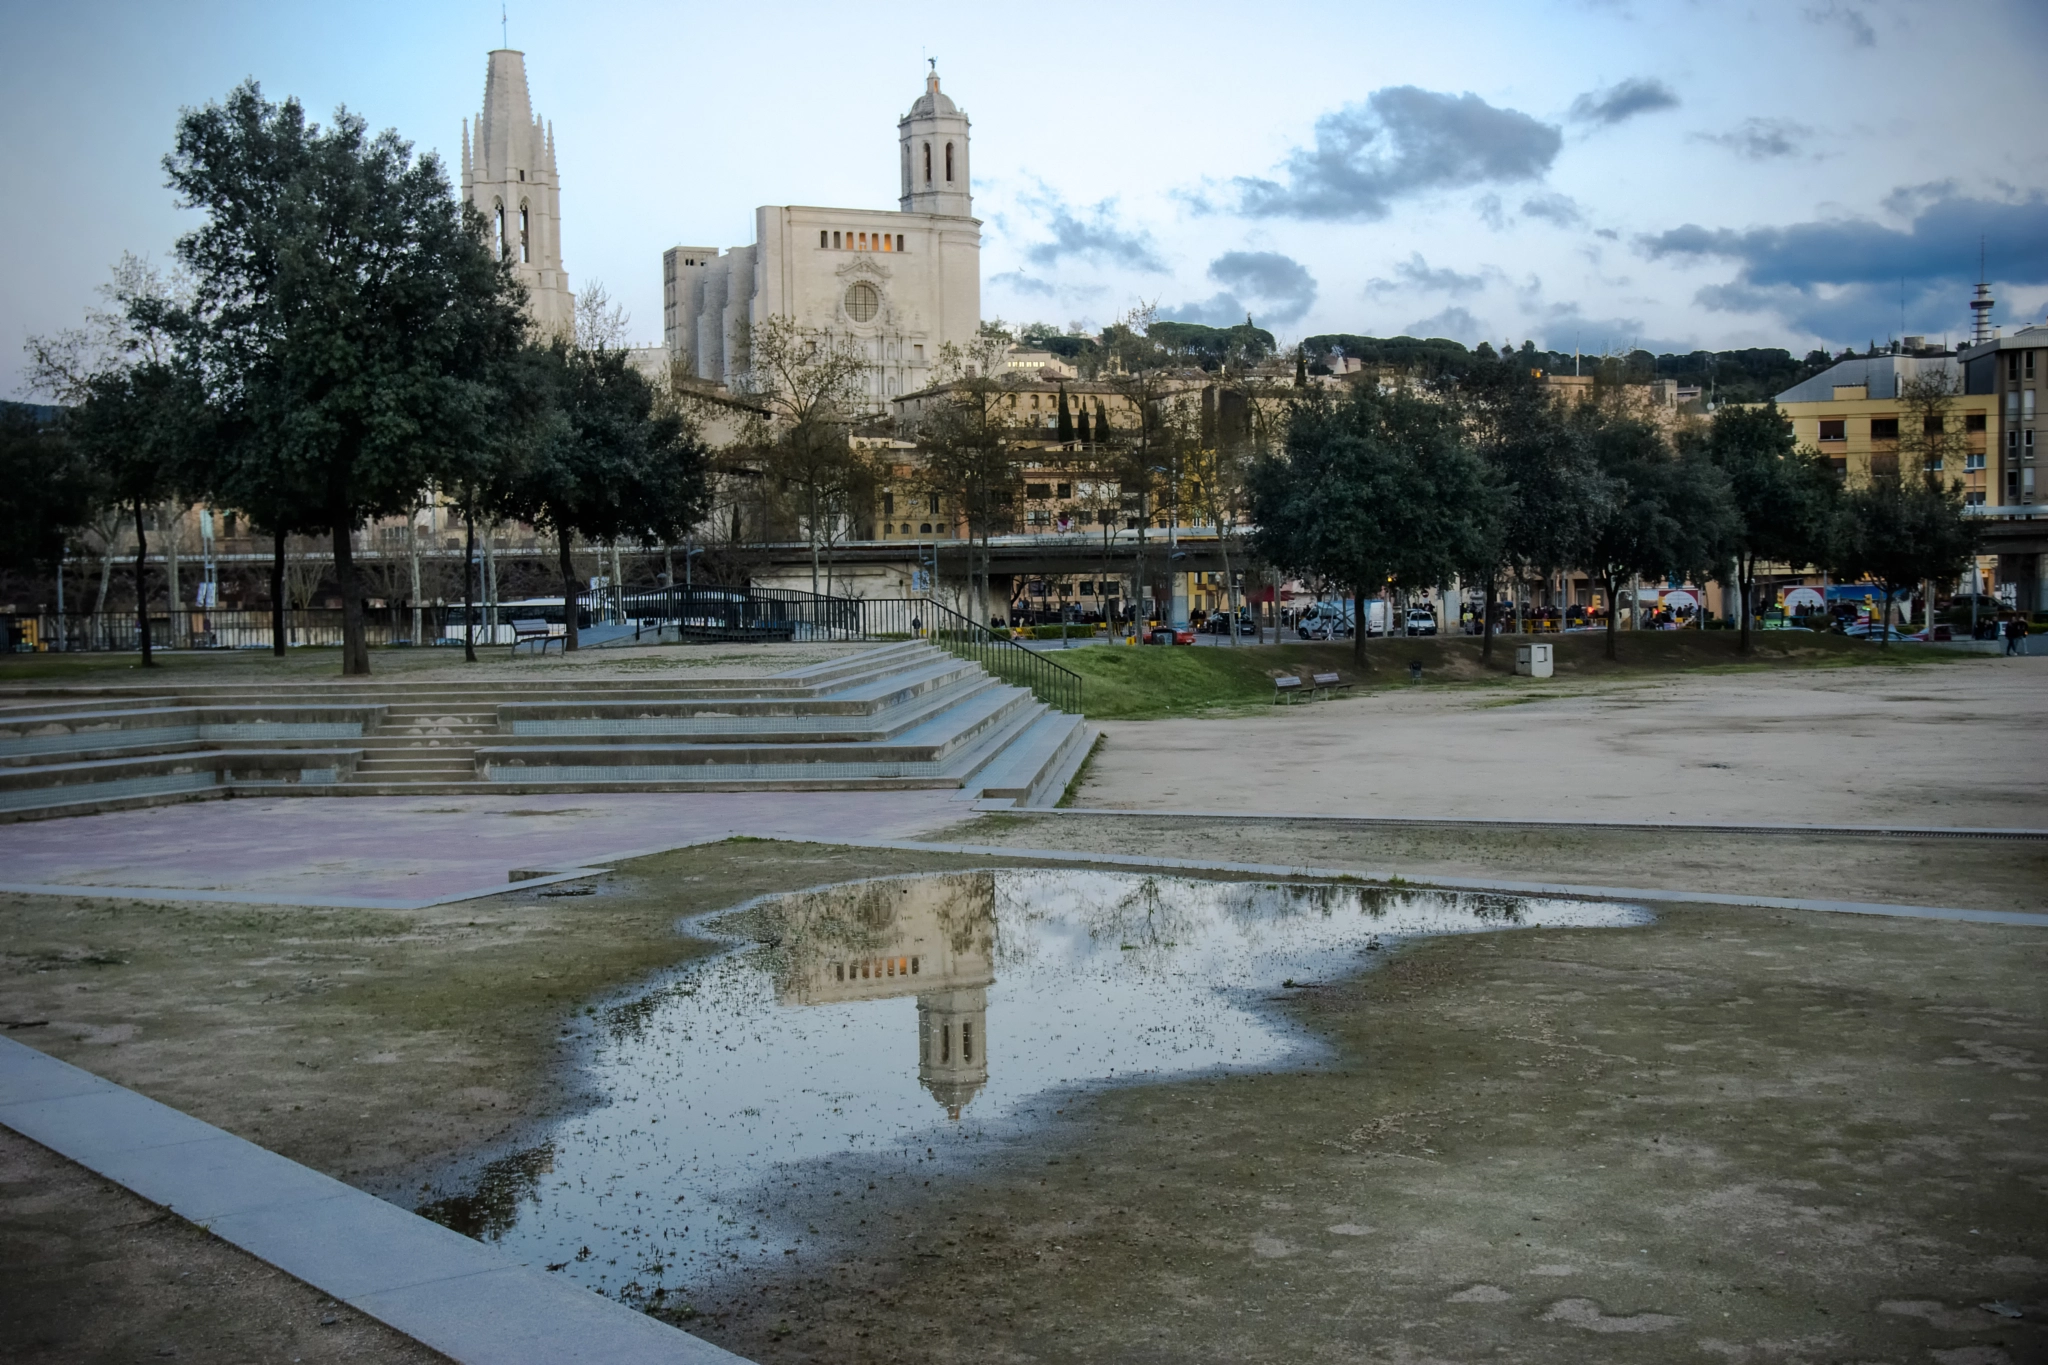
x,y
899,284
508,172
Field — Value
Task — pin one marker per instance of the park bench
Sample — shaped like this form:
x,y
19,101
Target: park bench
x,y
1329,683
524,632
1286,689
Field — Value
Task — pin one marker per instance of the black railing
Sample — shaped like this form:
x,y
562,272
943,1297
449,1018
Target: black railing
x,y
712,613
204,628
914,618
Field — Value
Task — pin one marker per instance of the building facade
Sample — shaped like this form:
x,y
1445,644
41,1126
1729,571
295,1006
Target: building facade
x,y
898,284
508,172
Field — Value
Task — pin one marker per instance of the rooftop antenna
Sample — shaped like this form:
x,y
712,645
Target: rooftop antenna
x,y
504,28
1980,304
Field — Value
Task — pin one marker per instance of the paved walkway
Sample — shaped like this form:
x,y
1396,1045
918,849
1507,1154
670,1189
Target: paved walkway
x,y
378,852
436,1286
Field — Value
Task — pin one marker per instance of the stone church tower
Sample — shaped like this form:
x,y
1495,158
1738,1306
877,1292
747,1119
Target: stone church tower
x,y
508,172
934,138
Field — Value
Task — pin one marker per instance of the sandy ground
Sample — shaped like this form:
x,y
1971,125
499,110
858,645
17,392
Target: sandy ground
x,y
1974,874
1733,1135
1953,745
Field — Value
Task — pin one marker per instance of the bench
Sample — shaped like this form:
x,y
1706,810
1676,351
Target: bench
x,y
524,632
1286,689
1329,682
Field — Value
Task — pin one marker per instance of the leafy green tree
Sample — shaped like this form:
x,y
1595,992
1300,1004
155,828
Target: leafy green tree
x,y
51,492
1900,532
1667,510
971,449
1782,498
346,311
1373,489
605,464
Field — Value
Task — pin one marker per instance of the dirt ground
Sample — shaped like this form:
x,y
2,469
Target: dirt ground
x,y
1976,874
96,1273
1933,745
1729,1136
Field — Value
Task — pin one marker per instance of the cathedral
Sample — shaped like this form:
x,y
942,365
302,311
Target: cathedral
x,y
898,284
508,172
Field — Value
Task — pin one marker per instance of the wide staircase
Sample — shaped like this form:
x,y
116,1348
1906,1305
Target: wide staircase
x,y
897,716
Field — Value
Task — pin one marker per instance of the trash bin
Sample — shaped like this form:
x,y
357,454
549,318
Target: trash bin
x,y
1532,661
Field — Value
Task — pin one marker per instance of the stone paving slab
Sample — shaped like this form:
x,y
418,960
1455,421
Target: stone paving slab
x,y
407,852
440,1288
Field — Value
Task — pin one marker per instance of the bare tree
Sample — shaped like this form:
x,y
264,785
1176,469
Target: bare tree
x,y
971,450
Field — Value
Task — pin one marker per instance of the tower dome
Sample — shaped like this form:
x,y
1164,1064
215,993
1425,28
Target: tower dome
x,y
934,142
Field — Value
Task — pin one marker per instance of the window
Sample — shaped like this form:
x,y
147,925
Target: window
x,y
2029,365
932,503
1034,400
1065,490
2027,406
2012,367
863,241
822,235
924,528
1973,422
835,241
1038,516
1087,587
1012,400
1840,466
500,219
2027,445
966,1042
1884,428
1932,426
1974,460
1037,490
525,242
2012,445
917,351
899,241
1834,428
888,504
863,301
1973,499
2012,485
949,163
927,163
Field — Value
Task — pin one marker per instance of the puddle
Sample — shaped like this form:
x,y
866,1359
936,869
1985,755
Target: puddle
x,y
889,1025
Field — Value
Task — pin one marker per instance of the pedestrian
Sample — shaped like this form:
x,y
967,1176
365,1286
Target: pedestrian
x,y
2016,636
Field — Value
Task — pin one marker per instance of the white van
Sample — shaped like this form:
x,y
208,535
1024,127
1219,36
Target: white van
x,y
1333,620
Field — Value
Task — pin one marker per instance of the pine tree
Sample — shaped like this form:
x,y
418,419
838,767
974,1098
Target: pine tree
x,y
1066,432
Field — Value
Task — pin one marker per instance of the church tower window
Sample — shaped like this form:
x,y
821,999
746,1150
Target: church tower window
x,y
949,163
927,163
835,241
821,239
499,217
863,301
525,242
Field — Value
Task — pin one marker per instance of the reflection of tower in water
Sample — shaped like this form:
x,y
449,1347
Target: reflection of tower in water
x,y
933,937
952,1046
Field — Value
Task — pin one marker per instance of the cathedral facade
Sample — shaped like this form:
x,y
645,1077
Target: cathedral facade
x,y
508,172
897,284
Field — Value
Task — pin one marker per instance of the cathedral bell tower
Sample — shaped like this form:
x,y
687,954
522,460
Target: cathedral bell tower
x,y
934,138
508,172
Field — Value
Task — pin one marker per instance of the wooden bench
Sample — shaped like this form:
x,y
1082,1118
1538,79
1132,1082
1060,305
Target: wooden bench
x,y
528,632
1286,689
1329,682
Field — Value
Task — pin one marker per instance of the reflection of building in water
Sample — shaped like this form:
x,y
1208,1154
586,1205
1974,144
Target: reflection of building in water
x,y
933,937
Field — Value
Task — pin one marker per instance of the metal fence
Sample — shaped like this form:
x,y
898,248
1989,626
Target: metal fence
x,y
912,618
197,628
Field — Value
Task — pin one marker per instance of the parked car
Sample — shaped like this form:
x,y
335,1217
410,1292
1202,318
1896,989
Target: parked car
x,y
1869,630
1421,621
1219,624
1169,635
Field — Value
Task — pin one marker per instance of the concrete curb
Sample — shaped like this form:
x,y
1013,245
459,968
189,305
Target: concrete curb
x,y
457,1296
1509,822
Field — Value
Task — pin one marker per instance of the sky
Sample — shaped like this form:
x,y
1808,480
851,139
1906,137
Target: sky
x,y
1587,174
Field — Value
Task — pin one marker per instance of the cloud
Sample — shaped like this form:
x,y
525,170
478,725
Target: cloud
x,y
1760,139
1842,278
1848,18
1417,273
1454,324
1619,103
1402,141
1092,234
1560,209
1275,288
1017,282
1490,211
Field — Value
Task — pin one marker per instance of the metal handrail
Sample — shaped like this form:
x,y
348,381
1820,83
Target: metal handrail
x,y
912,618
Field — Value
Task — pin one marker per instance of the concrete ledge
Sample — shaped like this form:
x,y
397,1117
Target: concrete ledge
x,y
457,1296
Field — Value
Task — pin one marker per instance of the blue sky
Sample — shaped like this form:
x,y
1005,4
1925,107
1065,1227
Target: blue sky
x,y
1599,174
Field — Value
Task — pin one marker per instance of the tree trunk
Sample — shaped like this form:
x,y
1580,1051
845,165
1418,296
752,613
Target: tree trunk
x,y
1745,582
1613,585
172,533
469,588
142,589
570,596
277,603
1358,624
1486,620
355,642
412,549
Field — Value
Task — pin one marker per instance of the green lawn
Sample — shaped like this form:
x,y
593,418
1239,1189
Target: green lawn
x,y
1149,682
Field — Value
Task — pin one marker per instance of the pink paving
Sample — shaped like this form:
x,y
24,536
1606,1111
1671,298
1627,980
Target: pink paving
x,y
406,850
